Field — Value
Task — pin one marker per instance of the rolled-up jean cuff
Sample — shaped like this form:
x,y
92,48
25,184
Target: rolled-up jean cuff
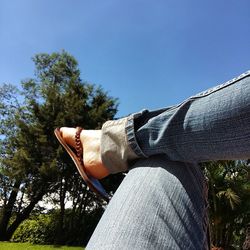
x,y
130,132
116,152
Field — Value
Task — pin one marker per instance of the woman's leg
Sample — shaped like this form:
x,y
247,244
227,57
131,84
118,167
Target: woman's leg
x,y
167,212
159,205
213,125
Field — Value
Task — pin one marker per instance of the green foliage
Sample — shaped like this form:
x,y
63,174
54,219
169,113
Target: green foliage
x,y
36,230
33,164
78,230
42,228
229,199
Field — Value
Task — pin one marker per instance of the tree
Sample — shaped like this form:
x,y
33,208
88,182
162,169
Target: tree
x,y
246,244
229,199
33,165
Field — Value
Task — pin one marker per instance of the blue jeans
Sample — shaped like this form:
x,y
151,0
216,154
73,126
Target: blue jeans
x,y
162,202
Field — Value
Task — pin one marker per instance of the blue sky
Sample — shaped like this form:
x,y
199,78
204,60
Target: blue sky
x,y
149,54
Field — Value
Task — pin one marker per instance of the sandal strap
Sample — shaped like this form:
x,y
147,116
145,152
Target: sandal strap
x,y
79,148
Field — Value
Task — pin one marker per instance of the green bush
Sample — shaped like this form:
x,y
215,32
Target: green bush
x,y
39,229
45,228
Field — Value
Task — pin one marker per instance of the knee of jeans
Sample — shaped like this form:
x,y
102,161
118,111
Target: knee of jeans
x,y
158,172
178,185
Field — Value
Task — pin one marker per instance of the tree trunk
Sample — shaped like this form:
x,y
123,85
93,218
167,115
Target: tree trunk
x,y
246,245
7,211
60,228
21,217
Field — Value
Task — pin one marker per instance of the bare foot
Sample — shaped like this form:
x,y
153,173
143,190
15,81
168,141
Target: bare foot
x,y
91,140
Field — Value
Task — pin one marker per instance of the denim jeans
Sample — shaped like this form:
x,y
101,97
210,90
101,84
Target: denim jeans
x,y
162,202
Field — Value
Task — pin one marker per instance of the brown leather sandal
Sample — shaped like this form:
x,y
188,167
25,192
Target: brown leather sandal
x,y
77,158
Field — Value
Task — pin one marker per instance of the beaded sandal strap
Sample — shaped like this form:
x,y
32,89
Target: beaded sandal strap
x,y
79,148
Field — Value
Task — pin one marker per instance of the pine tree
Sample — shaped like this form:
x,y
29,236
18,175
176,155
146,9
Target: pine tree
x,y
33,165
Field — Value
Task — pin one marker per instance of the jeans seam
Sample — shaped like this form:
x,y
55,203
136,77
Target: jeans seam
x,y
212,90
221,86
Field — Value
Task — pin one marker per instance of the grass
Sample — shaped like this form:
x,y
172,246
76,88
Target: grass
x,y
28,246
